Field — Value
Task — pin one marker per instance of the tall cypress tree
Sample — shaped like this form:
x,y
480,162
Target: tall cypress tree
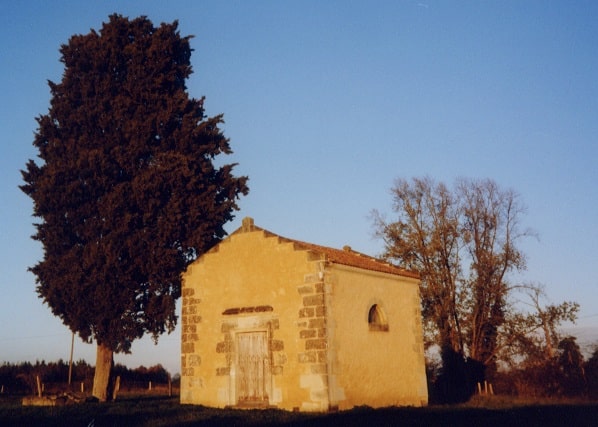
x,y
127,190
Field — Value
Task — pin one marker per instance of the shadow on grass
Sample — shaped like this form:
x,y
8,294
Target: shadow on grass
x,y
156,411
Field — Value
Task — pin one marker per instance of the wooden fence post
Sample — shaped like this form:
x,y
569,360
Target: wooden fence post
x,y
116,387
39,386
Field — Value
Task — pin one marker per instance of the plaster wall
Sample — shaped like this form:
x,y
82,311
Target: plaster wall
x,y
374,367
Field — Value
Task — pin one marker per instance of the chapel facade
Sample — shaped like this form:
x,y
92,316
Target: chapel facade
x,y
269,321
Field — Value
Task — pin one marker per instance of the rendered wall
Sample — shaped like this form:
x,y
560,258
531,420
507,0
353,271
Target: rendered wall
x,y
260,283
376,368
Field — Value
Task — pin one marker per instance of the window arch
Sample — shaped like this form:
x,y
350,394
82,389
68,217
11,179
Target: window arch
x,y
377,320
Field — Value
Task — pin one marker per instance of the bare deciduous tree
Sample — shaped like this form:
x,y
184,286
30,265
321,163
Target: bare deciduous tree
x,y
491,231
531,337
426,237
465,243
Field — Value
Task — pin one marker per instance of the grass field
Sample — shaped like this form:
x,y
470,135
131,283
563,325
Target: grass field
x,y
155,410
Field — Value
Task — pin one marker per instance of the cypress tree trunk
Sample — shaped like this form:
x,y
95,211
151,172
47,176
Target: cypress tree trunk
x,y
101,379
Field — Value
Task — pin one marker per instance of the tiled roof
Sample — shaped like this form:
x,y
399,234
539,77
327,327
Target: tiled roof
x,y
349,257
345,256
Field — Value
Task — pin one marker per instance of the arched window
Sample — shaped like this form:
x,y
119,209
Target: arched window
x,y
377,320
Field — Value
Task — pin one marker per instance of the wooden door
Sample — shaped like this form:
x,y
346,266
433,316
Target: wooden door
x,y
253,368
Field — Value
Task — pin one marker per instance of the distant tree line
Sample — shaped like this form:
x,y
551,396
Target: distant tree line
x,y
21,378
565,374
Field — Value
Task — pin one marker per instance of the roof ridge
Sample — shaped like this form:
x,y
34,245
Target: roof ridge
x,y
385,266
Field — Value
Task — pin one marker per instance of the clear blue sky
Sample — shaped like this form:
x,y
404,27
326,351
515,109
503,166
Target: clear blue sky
x,y
326,103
